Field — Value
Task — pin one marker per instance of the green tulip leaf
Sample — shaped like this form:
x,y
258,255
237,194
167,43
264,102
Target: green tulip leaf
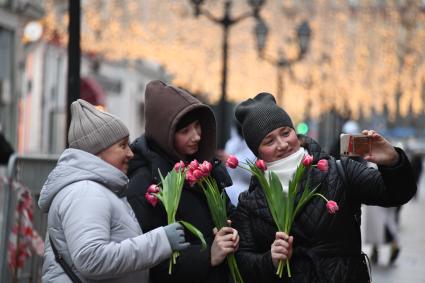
x,y
195,232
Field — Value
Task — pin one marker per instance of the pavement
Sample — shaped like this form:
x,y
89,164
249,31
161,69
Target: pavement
x,y
410,265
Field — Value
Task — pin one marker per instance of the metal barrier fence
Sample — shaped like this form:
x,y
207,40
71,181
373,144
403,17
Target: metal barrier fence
x,y
31,171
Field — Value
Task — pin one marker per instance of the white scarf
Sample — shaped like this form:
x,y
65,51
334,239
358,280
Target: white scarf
x,y
285,167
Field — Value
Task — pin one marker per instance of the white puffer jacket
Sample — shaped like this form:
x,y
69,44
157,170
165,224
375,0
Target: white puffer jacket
x,y
95,230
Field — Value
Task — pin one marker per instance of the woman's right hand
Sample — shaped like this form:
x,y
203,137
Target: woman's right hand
x,y
281,248
382,152
226,241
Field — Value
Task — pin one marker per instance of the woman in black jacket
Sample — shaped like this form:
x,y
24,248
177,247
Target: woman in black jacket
x,y
325,247
180,127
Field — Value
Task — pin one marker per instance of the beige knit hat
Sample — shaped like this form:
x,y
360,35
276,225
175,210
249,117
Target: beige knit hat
x,y
92,130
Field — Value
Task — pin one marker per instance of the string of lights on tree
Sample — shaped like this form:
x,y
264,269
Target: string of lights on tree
x,y
363,53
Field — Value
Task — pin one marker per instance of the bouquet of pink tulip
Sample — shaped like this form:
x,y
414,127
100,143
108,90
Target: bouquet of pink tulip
x,y
282,205
200,174
169,192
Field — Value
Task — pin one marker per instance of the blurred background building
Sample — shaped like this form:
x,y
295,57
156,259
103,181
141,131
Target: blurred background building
x,y
14,15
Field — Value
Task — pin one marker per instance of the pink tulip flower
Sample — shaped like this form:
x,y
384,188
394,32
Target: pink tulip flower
x,y
198,174
332,207
179,166
261,164
193,165
308,159
206,167
232,162
191,178
152,199
153,189
322,165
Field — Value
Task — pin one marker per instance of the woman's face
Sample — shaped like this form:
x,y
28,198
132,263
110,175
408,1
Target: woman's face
x,y
118,155
278,144
186,140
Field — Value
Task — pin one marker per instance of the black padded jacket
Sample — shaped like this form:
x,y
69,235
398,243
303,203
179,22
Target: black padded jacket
x,y
193,265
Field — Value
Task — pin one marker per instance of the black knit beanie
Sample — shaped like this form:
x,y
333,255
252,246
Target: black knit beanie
x,y
259,116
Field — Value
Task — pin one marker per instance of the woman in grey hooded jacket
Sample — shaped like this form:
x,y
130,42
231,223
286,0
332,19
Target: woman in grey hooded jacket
x,y
90,223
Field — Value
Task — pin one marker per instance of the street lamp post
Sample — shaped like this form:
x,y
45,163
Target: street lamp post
x,y
74,58
226,22
282,63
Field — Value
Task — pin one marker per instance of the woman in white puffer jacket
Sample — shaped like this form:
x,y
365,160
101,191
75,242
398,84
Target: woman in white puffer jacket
x,y
90,221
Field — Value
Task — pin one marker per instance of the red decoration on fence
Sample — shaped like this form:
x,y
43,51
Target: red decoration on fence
x,y
24,240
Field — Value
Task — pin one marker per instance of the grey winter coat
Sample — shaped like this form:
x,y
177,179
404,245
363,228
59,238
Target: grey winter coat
x,y
95,230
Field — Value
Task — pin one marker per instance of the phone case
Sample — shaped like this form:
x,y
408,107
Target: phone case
x,y
354,145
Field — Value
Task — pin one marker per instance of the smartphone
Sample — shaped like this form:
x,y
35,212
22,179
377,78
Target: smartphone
x,y
355,145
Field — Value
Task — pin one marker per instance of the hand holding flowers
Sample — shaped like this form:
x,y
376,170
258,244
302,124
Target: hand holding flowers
x,y
226,240
169,192
281,249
